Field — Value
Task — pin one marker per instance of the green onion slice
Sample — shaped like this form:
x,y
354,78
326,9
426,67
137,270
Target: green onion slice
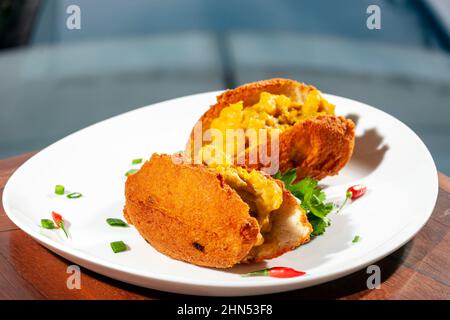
x,y
63,228
131,171
118,246
59,189
74,195
116,222
136,161
356,239
47,224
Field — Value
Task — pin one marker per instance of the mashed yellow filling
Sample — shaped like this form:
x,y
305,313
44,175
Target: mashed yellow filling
x,y
262,194
272,111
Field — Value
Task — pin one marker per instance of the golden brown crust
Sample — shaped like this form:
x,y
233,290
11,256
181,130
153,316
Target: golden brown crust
x,y
280,240
188,213
317,147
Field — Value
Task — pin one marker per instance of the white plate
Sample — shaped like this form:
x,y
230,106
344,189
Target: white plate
x,y
389,158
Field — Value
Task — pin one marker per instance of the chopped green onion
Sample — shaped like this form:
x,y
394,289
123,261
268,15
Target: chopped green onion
x,y
356,239
130,172
63,228
47,224
59,189
136,161
116,222
118,246
74,195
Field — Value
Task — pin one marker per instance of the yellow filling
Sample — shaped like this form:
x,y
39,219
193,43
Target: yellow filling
x,y
272,111
262,194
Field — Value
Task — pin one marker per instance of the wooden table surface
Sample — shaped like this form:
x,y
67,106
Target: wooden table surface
x,y
418,270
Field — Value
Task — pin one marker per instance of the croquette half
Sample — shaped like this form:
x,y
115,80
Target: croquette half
x,y
313,140
190,213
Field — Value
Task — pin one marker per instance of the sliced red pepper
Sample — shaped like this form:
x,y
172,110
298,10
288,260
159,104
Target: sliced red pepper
x,y
357,191
354,192
59,221
276,272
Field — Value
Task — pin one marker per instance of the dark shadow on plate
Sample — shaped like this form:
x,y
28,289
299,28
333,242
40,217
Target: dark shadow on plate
x,y
354,117
368,153
369,150
244,268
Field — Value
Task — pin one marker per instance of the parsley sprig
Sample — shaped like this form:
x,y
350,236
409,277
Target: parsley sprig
x,y
311,197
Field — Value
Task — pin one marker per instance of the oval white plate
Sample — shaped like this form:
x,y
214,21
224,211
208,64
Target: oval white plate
x,y
389,158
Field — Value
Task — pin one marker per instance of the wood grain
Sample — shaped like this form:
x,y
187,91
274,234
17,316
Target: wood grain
x,y
444,182
7,168
419,270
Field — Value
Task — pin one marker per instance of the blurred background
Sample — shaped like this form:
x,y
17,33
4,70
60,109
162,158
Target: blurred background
x,y
129,54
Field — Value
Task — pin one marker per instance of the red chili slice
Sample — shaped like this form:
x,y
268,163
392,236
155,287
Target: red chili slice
x,y
59,221
276,272
357,191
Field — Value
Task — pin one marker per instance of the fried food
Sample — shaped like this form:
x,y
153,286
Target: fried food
x,y
214,216
312,138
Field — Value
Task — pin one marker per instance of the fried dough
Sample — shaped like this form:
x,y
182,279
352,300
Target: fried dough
x,y
317,146
190,213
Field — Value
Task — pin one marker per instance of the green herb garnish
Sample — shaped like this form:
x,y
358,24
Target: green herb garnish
x,y
356,239
59,189
131,171
136,161
116,222
118,246
311,197
74,195
63,228
47,224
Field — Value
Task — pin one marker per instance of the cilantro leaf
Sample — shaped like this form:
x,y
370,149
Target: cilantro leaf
x,y
312,199
319,225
